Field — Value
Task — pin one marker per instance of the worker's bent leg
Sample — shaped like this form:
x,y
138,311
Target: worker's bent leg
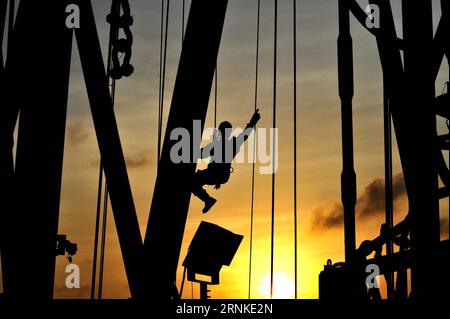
x,y
202,194
201,178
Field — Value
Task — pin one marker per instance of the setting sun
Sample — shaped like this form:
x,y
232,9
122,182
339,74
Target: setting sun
x,y
283,286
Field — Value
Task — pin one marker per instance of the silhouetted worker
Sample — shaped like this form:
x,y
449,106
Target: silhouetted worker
x,y
222,151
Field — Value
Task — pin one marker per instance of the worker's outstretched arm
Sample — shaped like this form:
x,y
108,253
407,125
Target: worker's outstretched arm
x,y
254,120
250,126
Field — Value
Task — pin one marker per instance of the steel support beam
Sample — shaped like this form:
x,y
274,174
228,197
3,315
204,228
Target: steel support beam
x,y
31,222
389,203
346,90
424,204
411,92
172,192
110,148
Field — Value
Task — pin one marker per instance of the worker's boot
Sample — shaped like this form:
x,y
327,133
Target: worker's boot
x,y
209,202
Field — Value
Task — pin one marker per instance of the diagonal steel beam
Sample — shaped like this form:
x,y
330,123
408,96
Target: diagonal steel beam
x,y
172,192
110,147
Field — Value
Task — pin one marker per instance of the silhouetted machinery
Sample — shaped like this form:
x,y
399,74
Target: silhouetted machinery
x,y
349,280
211,248
411,105
63,246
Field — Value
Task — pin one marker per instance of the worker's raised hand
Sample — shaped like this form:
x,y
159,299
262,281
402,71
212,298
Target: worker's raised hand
x,y
255,118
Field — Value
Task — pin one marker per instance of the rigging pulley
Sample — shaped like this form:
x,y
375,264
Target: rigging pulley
x,y
122,45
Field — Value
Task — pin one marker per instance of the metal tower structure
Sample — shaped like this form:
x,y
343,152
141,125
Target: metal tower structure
x,y
410,93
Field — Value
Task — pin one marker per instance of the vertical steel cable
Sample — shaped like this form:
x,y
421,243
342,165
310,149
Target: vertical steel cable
x,y
182,20
115,36
160,82
112,37
163,80
254,150
272,233
388,182
12,10
295,153
215,97
97,228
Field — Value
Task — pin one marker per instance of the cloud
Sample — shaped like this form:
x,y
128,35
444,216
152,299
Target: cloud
x,y
372,200
137,160
327,216
370,203
77,133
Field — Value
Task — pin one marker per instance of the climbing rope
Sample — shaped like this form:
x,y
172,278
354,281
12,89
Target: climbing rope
x,y
215,97
252,205
272,233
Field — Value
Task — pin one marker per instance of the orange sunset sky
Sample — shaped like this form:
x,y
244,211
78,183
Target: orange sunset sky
x,y
319,143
